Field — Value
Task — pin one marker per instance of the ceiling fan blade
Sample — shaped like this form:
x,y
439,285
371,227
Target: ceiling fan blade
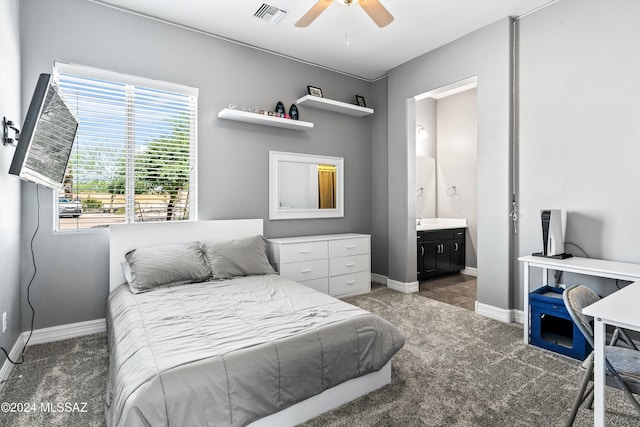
x,y
313,13
377,12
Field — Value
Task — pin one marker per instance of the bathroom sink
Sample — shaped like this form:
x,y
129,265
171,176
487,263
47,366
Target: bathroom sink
x,y
424,224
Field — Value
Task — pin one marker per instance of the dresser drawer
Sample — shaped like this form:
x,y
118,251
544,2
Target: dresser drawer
x,y
305,270
348,284
346,247
349,264
302,251
320,285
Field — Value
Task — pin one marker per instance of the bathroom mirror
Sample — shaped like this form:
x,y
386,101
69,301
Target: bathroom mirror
x,y
426,200
305,186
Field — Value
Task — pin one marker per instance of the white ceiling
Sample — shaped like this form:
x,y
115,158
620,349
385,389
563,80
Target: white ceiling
x,y
343,38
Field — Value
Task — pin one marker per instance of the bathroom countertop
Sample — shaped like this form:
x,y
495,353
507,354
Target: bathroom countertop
x,y
424,224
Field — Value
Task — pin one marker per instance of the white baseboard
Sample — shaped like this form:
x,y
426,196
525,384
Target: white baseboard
x,y
407,288
379,278
496,313
518,316
7,366
63,332
471,271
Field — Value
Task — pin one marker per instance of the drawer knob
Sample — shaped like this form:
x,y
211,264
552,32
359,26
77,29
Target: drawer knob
x,y
305,251
351,264
350,247
351,282
305,271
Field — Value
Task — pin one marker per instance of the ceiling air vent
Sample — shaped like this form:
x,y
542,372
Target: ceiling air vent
x,y
269,13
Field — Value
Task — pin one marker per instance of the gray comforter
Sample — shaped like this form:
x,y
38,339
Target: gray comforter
x,y
230,352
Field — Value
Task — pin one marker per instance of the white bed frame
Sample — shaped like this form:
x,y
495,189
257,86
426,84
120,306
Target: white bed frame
x,y
126,237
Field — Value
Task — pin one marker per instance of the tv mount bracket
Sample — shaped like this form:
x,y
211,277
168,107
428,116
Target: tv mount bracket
x,y
6,125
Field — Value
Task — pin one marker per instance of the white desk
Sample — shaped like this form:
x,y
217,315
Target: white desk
x,y
619,309
587,266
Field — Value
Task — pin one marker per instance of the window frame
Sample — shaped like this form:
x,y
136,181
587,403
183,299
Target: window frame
x,y
131,83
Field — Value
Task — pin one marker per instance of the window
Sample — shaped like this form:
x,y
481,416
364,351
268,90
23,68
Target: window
x,y
134,158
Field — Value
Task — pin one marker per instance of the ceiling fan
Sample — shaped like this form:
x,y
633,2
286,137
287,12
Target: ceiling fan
x,y
373,8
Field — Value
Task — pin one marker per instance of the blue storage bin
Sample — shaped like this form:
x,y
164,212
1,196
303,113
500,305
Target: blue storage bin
x,y
552,327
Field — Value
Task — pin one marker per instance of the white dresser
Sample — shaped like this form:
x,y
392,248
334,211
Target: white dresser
x,y
336,264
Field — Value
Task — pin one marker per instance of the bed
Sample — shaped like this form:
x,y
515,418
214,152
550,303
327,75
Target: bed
x,y
250,349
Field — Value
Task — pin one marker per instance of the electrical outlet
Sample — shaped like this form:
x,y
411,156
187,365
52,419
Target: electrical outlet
x,y
4,322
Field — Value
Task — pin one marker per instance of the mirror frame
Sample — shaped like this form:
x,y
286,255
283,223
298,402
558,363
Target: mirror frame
x,y
275,213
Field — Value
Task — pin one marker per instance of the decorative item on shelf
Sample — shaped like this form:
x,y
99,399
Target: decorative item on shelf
x,y
271,113
279,109
360,101
293,112
315,91
233,107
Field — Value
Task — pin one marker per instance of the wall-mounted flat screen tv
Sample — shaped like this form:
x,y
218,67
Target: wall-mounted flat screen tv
x,y
47,136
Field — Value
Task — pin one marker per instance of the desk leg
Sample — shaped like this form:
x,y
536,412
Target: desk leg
x,y
525,307
599,415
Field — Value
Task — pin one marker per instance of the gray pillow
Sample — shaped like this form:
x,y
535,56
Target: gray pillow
x,y
174,264
241,257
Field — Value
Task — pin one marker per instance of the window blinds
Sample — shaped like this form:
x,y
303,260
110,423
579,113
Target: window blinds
x,y
135,153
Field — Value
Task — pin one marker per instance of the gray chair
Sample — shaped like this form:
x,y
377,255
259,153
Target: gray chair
x,y
622,363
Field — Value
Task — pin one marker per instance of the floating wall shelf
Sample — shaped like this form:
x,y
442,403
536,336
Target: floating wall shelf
x,y
261,119
333,105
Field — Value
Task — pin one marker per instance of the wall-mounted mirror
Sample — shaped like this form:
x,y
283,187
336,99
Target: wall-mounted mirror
x,y
305,186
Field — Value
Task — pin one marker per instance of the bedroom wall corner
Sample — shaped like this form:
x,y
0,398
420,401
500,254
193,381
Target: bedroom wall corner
x,y
10,196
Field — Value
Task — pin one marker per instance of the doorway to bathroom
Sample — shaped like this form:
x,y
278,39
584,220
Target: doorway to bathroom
x,y
446,193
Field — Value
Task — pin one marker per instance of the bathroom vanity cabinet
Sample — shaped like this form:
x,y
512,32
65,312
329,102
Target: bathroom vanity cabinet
x,y
440,252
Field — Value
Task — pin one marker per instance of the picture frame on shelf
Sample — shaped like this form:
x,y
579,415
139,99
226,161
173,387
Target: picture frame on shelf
x,y
360,101
315,91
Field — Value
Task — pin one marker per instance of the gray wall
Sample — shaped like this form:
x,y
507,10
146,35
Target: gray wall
x,y
379,173
486,54
233,157
10,107
457,164
580,129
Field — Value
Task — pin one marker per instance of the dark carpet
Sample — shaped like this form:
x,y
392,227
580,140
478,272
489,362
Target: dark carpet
x,y
456,368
